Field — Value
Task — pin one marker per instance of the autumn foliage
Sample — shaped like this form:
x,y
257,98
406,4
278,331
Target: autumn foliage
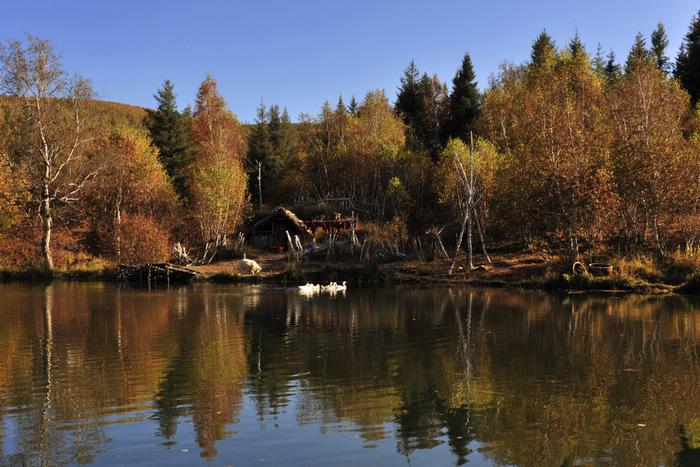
x,y
568,152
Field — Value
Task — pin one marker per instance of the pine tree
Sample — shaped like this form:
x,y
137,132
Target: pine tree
x,y
340,108
688,61
271,144
353,106
169,130
598,62
638,52
612,69
659,42
411,107
282,140
464,101
410,103
259,147
543,48
576,47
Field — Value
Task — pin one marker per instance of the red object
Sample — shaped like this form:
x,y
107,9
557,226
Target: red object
x,y
277,248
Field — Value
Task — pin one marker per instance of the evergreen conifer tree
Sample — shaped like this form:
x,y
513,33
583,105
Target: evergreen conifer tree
x,y
410,103
638,52
612,69
464,101
169,130
688,61
576,47
340,108
543,49
353,106
271,143
411,107
598,62
259,147
659,42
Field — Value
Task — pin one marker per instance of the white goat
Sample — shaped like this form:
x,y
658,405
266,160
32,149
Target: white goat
x,y
249,266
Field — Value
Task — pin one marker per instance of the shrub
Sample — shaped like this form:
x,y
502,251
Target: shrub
x,y
137,239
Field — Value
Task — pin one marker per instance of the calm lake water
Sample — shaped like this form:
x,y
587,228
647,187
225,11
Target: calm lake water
x,y
107,374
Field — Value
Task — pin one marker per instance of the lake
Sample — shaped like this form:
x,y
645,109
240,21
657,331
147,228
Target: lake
x,y
112,374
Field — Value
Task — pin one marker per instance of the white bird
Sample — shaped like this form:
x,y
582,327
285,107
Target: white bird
x,y
341,287
249,266
308,287
329,287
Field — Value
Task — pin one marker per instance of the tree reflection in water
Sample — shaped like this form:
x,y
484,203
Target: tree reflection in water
x,y
415,375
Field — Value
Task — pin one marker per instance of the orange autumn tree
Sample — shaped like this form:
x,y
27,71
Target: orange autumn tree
x,y
134,205
554,141
647,111
217,175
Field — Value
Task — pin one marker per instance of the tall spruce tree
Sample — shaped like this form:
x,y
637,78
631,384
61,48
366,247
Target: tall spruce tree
x,y
410,103
612,70
543,49
259,148
598,62
282,139
688,61
169,130
659,42
464,100
270,144
638,52
352,109
576,46
411,107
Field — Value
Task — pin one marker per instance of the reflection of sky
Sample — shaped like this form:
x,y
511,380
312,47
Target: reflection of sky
x,y
338,444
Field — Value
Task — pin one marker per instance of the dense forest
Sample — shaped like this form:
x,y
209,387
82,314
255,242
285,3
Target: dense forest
x,y
570,149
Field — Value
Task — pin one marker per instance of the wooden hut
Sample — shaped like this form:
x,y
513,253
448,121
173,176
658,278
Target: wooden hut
x,y
271,232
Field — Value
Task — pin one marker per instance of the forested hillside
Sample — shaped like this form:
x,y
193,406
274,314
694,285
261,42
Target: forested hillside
x,y
571,150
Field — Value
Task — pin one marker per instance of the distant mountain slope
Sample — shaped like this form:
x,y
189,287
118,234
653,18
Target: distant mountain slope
x,y
113,112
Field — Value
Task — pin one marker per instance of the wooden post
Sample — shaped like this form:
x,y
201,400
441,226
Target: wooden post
x,y
260,182
290,244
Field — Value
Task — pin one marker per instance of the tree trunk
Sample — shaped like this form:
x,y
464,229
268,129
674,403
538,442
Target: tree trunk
x,y
470,258
660,253
46,221
459,239
573,248
481,236
260,183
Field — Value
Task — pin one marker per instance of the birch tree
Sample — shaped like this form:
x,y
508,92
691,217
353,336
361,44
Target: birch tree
x,y
647,111
218,181
465,177
468,185
49,129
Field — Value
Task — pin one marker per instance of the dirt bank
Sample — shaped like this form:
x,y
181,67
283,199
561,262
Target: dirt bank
x,y
506,268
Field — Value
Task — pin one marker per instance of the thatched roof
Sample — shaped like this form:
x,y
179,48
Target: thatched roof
x,y
294,224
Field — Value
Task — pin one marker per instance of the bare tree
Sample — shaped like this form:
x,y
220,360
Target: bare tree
x,y
49,128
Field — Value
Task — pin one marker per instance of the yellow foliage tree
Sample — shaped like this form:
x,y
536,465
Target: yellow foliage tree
x,y
218,178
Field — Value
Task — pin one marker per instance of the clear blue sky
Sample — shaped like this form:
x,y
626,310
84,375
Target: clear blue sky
x,y
299,54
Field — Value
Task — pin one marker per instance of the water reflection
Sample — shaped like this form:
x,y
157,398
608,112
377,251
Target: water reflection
x,y
107,374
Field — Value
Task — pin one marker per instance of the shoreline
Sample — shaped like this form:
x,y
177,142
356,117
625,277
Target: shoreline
x,y
507,270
